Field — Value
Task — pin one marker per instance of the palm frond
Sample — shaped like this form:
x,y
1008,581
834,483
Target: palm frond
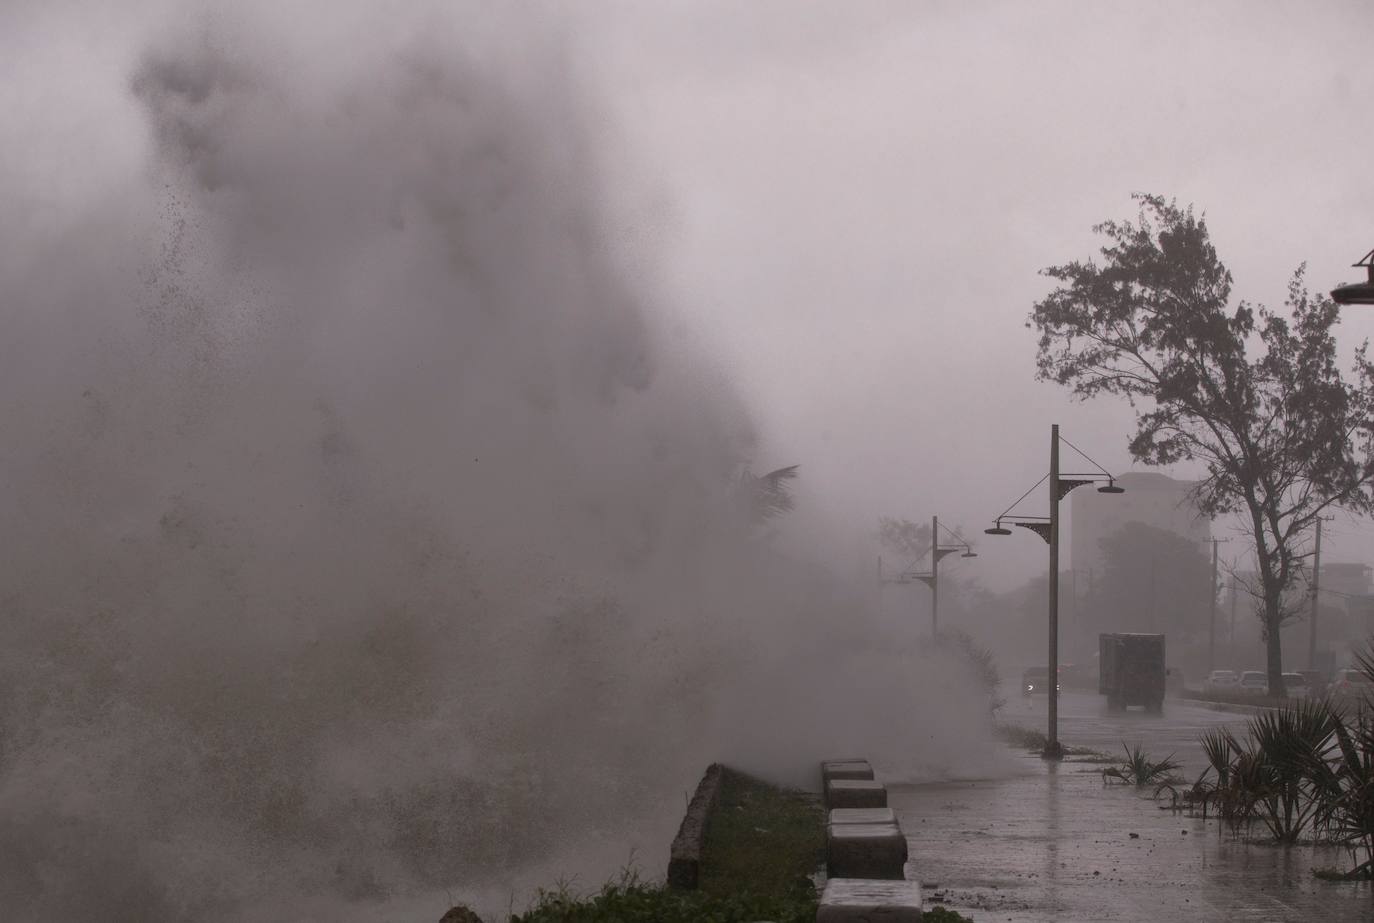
x,y
769,495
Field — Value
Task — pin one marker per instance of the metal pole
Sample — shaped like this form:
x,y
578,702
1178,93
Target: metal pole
x,y
1212,622
1154,617
1234,594
1052,748
935,576
1316,585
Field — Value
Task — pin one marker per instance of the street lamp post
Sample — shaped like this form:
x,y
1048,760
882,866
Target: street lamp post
x,y
1052,747
932,578
1047,527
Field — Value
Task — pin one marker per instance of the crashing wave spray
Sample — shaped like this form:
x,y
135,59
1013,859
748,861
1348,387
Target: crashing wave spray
x,y
365,541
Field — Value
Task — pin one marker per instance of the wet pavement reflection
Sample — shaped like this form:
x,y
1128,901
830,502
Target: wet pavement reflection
x,y
1054,843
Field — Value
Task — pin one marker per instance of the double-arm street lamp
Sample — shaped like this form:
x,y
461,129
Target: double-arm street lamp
x,y
931,578
1047,527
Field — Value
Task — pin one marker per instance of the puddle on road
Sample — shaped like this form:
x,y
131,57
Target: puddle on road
x,y
1054,843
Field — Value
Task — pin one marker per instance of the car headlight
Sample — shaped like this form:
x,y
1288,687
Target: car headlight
x,y
1030,687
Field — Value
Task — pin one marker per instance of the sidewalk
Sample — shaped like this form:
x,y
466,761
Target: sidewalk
x,y
1056,844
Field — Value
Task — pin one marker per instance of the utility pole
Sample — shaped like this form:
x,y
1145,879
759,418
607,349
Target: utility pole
x,y
1154,616
935,576
1234,594
1316,585
1052,747
1212,622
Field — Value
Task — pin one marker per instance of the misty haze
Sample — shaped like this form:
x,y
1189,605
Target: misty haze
x,y
546,463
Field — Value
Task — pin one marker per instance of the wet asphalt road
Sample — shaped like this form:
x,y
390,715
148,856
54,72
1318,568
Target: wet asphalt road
x,y
1085,722
1054,843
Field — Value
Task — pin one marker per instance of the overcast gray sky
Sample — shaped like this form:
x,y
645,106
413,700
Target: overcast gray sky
x,y
851,202
859,203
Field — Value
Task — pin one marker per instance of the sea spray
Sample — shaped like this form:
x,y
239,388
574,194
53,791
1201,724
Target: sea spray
x,y
366,542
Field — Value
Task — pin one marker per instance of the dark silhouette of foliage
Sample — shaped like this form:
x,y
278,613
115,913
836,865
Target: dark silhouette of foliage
x,y
1282,435
768,495
1139,770
1307,767
908,540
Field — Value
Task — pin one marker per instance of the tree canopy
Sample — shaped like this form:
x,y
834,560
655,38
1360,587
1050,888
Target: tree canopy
x,y
1256,396
1156,581
908,540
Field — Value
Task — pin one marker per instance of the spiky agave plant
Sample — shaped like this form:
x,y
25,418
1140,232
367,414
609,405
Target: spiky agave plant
x,y
1347,808
1291,742
1139,770
1189,797
1243,778
1207,792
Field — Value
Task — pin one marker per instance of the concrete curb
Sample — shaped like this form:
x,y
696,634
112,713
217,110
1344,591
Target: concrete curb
x,y
1233,707
684,858
865,851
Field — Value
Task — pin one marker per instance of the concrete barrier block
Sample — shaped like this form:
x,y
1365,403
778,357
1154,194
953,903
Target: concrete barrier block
x,y
848,900
845,769
855,793
863,816
865,851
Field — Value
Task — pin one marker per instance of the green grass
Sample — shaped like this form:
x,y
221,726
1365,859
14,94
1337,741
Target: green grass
x,y
762,845
633,901
1030,739
762,840
938,914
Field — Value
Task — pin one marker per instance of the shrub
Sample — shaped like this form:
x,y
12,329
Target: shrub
x,y
1139,770
1307,766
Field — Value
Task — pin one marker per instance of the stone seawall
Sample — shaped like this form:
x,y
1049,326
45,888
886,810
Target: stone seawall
x,y
684,858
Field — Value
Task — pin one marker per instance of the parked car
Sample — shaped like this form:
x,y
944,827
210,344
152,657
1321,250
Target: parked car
x,y
1297,686
1222,681
1351,684
1317,682
1255,682
1037,679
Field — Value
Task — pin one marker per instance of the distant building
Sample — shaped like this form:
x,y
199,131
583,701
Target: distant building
x,y
1347,586
1152,499
1345,580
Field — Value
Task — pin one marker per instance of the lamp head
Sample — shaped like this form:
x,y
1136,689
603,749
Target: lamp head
x,y
1357,292
997,529
970,553
1111,488
1354,293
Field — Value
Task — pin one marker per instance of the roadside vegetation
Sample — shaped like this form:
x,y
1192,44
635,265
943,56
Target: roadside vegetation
x,y
1139,770
631,900
1035,741
1304,771
763,844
